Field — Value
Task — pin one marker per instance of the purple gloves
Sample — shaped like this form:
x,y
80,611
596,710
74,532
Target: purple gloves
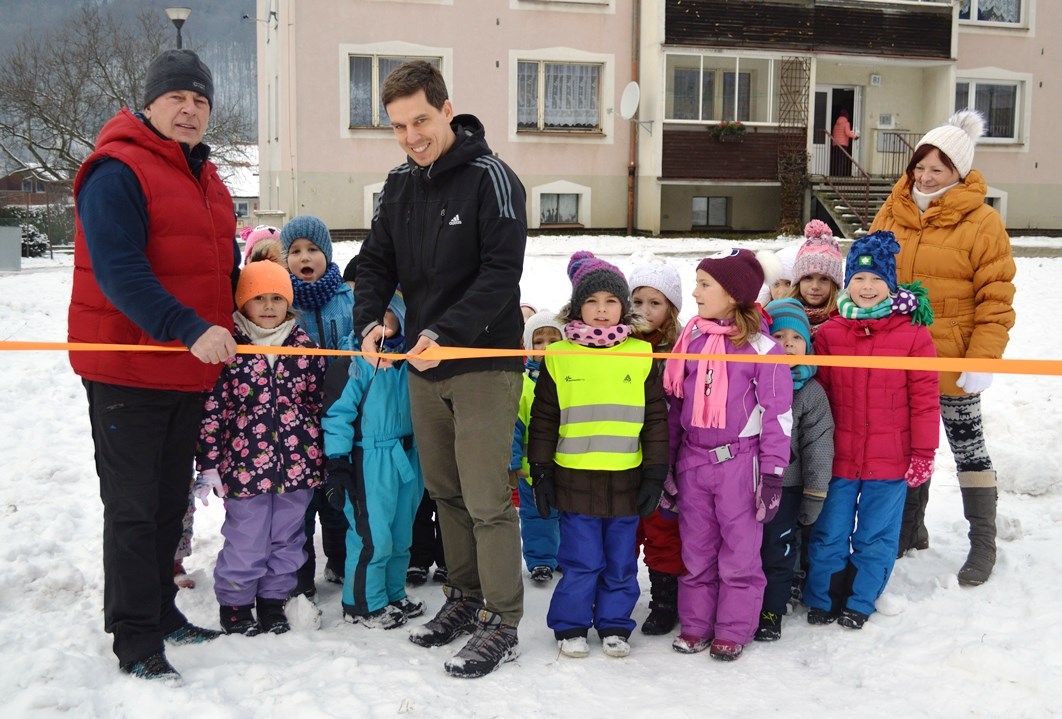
x,y
768,497
919,472
208,480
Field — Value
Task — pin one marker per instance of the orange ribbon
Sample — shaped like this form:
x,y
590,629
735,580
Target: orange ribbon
x,y
933,364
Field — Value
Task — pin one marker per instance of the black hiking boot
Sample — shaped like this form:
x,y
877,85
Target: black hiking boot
x,y
456,616
191,634
492,644
154,667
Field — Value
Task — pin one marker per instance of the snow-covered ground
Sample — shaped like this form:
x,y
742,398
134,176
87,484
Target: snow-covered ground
x,y
933,649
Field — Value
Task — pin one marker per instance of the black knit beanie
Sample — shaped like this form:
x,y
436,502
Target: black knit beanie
x,y
178,70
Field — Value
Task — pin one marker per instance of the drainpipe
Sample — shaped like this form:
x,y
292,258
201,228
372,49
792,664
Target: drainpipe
x,y
632,159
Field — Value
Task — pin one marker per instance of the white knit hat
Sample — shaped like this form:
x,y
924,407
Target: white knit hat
x,y
542,318
957,139
661,276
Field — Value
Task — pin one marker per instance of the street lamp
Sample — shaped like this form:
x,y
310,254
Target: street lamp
x,y
177,16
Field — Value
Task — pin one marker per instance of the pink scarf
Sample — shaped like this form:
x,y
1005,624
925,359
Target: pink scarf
x,y
709,406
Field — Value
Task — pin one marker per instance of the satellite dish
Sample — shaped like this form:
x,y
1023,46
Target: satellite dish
x,y
629,100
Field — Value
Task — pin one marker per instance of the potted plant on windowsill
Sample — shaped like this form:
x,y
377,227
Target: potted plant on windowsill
x,y
728,131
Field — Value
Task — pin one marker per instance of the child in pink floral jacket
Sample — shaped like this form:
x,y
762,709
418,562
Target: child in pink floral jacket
x,y
261,448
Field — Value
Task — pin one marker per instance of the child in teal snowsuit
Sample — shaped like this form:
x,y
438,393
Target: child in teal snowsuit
x,y
374,476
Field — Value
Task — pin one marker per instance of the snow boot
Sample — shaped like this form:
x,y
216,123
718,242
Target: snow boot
x,y
154,667
409,607
851,619
913,532
304,576
238,620
616,645
388,616
770,629
492,644
663,605
271,616
725,650
416,576
979,506
456,616
541,574
334,543
189,633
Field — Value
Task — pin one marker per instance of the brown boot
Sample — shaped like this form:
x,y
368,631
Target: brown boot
x,y
979,506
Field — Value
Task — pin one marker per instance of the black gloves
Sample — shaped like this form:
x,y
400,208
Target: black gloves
x,y
653,477
542,486
339,482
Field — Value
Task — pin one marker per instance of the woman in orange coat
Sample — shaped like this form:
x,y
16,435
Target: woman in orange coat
x,y
958,247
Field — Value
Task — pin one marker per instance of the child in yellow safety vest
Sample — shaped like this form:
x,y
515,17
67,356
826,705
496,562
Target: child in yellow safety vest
x,y
598,449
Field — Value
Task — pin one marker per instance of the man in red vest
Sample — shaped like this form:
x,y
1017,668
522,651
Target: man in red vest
x,y
155,260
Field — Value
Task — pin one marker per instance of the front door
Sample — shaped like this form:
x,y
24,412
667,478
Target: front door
x,y
830,102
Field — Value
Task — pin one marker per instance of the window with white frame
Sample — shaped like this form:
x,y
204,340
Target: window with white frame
x,y
710,211
708,88
558,96
367,74
992,11
999,102
559,208
241,207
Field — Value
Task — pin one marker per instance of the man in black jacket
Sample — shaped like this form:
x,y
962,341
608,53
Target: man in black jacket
x,y
451,228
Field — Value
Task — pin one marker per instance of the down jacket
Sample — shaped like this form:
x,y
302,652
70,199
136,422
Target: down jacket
x,y
156,273
960,251
261,426
882,418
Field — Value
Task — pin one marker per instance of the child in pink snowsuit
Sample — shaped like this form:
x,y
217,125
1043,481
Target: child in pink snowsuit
x,y
730,428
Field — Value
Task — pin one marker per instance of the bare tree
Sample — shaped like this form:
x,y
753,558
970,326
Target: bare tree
x,y
61,87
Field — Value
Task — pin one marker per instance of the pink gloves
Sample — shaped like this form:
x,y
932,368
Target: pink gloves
x,y
208,480
974,382
919,472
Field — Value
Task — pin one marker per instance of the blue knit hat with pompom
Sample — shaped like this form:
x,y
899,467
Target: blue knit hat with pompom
x,y
874,253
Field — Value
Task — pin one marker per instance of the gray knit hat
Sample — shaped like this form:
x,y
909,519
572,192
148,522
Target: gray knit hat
x,y
590,274
178,70
310,228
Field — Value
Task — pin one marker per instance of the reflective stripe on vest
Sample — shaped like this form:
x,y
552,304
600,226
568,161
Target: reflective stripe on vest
x,y
602,405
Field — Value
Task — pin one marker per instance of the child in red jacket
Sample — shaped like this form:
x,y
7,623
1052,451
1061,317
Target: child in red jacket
x,y
886,433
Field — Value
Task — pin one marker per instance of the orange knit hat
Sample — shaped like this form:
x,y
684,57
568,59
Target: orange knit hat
x,y
263,277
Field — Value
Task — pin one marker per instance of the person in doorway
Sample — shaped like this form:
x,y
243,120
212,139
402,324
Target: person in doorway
x,y
841,145
155,263
462,289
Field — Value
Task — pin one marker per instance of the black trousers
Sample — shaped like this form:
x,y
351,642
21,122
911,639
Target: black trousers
x,y
778,551
427,547
145,443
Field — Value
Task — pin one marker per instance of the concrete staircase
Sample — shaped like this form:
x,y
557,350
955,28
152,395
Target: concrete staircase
x,y
846,200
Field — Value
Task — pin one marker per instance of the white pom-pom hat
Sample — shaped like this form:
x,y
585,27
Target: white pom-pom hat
x,y
957,139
